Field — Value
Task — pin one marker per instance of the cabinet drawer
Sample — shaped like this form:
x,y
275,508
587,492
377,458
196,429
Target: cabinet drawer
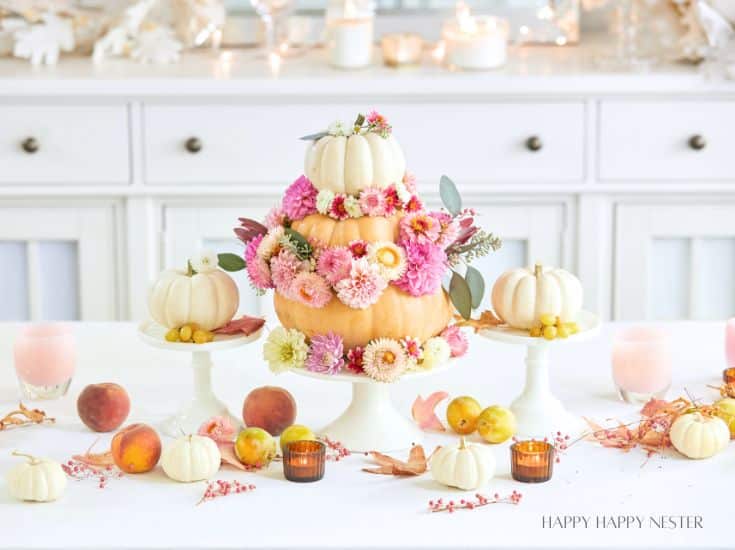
x,y
57,144
484,143
669,140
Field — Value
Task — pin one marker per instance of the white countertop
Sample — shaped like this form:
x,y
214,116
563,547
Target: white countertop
x,y
349,507
531,70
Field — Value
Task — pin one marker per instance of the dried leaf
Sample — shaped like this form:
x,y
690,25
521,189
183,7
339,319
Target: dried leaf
x,y
423,411
98,460
23,416
487,320
245,324
416,464
726,390
227,452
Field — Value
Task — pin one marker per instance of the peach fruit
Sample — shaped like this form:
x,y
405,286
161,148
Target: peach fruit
x,y
103,407
136,448
270,408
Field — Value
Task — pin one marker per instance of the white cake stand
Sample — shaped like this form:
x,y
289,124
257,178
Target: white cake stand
x,y
371,422
205,403
538,413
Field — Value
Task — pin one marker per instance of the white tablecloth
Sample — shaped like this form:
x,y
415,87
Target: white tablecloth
x,y
350,508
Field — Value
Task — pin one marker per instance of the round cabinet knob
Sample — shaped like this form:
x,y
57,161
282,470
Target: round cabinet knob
x,y
193,145
30,145
697,142
534,144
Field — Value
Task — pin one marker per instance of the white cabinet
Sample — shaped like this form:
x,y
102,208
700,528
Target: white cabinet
x,y
675,260
60,260
190,225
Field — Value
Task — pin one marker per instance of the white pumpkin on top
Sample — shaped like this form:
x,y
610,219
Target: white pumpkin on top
x,y
521,296
204,295
349,164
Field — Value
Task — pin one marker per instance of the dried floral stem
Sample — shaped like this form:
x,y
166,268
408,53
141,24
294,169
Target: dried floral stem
x,y
24,416
336,451
440,506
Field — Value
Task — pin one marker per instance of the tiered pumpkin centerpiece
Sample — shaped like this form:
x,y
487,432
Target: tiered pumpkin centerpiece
x,y
357,262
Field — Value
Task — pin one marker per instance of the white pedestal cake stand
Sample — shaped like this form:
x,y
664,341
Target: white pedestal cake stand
x,y
538,413
205,403
371,422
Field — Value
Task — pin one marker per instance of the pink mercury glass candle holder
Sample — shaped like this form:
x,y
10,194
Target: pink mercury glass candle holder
x,y
641,364
45,357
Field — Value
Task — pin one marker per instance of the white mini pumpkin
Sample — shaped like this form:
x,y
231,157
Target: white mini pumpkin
x,y
697,436
38,479
520,296
191,458
350,164
208,299
466,467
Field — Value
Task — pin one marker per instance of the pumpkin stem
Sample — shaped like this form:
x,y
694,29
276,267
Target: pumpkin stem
x,y
538,270
32,459
462,443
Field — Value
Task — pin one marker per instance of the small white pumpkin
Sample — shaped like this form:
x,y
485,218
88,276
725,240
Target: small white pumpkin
x,y
209,299
349,164
697,436
520,296
191,458
466,467
37,480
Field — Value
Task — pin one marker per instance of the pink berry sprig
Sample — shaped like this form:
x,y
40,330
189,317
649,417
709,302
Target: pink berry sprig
x,y
440,506
80,471
561,444
335,450
222,488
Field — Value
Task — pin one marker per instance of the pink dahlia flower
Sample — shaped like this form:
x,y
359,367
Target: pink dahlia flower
x,y
325,354
456,339
372,201
300,199
426,264
310,289
284,268
363,287
419,228
251,249
259,273
275,218
334,264
354,359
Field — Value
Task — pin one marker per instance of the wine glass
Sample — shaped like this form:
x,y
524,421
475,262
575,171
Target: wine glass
x,y
273,13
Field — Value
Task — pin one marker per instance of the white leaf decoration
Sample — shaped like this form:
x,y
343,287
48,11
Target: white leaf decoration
x,y
43,42
157,45
119,39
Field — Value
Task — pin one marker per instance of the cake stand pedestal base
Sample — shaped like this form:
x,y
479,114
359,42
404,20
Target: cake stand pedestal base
x,y
538,413
372,423
203,406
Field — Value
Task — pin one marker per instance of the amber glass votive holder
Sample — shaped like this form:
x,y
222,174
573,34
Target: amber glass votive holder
x,y
303,461
532,461
728,375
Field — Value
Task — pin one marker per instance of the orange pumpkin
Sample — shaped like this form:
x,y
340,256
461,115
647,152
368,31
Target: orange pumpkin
x,y
396,314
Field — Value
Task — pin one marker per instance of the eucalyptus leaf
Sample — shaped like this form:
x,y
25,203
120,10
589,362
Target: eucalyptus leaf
x,y
450,196
459,293
230,262
314,137
477,285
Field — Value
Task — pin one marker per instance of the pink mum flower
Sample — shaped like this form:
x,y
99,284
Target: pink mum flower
x,y
426,264
284,269
412,347
251,249
354,359
334,264
419,228
358,247
414,204
275,218
391,200
337,209
372,201
364,286
300,199
456,339
259,273
325,354
310,289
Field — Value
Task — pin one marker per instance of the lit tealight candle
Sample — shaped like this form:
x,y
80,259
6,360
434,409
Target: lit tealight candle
x,y
401,49
475,42
304,461
350,35
532,461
